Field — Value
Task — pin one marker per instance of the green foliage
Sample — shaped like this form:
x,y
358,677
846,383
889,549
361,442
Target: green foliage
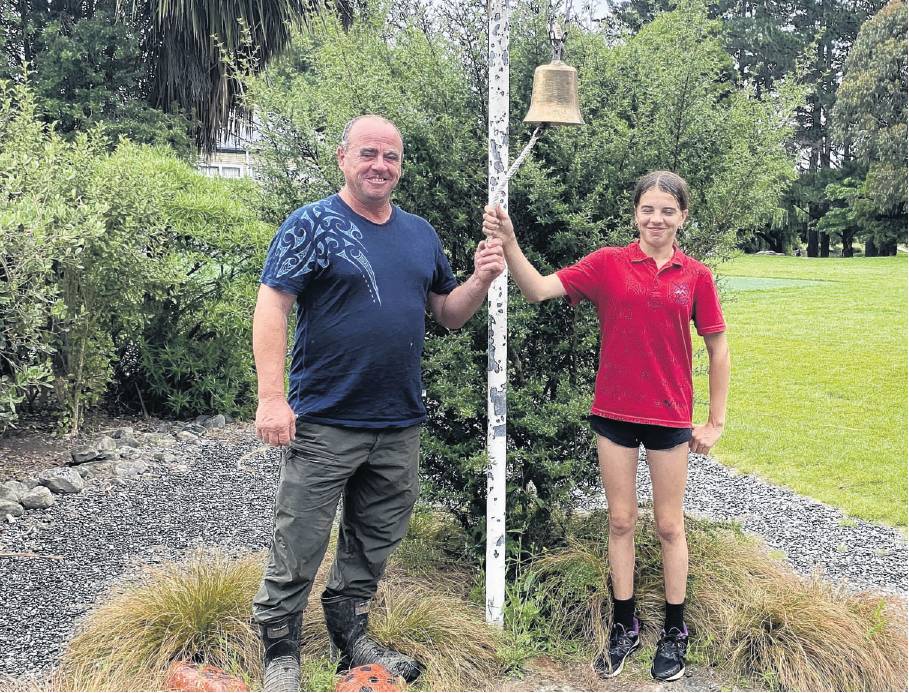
x,y
870,118
107,258
664,99
86,66
193,353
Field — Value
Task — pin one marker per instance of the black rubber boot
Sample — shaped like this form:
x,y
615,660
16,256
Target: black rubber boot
x,y
281,639
347,621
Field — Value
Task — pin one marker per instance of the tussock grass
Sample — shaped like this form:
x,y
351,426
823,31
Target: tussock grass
x,y
443,631
200,610
196,610
748,614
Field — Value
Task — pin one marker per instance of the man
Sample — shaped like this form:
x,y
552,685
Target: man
x,y
362,272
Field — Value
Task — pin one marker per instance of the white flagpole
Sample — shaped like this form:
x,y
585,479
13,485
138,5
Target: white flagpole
x,y
498,319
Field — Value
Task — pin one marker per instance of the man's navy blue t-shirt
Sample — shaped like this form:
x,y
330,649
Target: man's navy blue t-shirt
x,y
361,291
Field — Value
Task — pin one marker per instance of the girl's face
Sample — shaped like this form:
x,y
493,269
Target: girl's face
x,y
658,218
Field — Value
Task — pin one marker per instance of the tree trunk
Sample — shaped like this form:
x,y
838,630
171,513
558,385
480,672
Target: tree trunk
x,y
345,11
870,248
812,242
847,243
825,244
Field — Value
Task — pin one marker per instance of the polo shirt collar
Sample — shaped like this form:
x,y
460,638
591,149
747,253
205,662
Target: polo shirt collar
x,y
635,254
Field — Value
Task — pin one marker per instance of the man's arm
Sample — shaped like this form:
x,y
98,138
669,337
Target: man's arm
x,y
706,435
275,420
454,309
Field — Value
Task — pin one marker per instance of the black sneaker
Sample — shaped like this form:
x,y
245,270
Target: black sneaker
x,y
622,643
669,660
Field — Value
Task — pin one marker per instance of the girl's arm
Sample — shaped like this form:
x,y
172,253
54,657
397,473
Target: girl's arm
x,y
534,286
706,435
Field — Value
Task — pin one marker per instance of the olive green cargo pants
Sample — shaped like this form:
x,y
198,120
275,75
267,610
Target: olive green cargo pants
x,y
376,471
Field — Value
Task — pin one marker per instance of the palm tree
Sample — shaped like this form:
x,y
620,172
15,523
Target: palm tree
x,y
186,41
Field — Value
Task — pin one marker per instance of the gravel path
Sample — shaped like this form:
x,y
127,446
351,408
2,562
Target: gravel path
x,y
106,533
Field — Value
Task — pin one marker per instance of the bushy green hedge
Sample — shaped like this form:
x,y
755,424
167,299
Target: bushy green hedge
x,y
123,273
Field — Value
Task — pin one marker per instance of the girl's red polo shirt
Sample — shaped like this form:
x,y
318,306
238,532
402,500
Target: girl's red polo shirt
x,y
645,338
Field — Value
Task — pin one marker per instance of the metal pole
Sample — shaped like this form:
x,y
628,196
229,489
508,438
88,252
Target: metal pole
x,y
498,319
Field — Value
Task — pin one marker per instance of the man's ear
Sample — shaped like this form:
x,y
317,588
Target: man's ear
x,y
340,154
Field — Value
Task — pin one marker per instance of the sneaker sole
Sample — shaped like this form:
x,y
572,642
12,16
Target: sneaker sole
x,y
674,677
613,674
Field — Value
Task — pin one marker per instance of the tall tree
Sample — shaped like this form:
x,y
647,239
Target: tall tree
x,y
870,122
175,56
196,49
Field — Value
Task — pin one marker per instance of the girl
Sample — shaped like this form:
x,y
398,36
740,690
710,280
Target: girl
x,y
646,294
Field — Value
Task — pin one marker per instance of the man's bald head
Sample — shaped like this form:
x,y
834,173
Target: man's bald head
x,y
364,119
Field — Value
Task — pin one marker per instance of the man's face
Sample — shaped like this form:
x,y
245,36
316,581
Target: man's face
x,y
372,161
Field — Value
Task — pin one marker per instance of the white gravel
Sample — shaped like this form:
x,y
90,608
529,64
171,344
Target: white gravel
x,y
103,535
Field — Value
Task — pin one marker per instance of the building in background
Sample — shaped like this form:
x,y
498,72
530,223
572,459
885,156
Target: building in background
x,y
231,158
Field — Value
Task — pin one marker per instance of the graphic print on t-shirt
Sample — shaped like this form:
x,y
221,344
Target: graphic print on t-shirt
x,y
331,236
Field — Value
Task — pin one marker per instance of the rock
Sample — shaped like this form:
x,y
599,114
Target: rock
x,y
38,498
105,443
9,507
124,432
129,442
186,437
17,488
165,457
217,421
7,494
94,471
84,453
161,440
129,453
62,480
128,469
112,455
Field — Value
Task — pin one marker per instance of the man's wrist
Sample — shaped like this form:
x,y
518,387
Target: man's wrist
x,y
480,285
272,396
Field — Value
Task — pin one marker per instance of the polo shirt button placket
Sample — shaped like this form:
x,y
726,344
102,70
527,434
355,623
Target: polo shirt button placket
x,y
655,293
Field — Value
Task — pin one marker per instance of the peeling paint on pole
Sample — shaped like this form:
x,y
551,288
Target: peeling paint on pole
x,y
498,319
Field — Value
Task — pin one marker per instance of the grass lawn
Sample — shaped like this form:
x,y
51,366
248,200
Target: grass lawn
x,y
818,396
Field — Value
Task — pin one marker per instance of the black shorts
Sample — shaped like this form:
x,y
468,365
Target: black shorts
x,y
631,435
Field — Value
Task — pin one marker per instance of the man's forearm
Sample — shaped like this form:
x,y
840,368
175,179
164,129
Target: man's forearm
x,y
463,302
269,349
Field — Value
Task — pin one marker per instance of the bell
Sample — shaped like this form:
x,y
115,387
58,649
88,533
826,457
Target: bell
x,y
554,99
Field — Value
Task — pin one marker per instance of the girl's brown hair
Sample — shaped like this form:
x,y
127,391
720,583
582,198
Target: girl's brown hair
x,y
667,182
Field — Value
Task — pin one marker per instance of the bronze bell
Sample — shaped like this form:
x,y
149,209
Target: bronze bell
x,y
554,99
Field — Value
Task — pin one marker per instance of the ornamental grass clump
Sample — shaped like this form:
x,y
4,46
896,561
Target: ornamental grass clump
x,y
749,614
198,610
